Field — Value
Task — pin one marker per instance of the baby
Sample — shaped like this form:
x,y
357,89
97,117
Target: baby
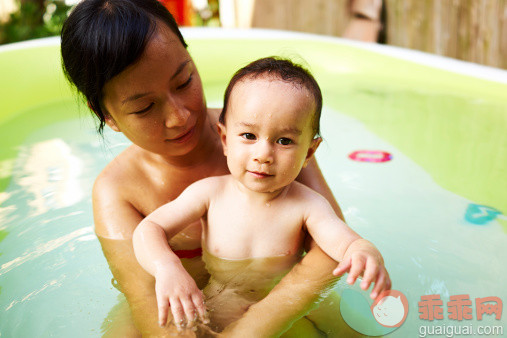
x,y
255,219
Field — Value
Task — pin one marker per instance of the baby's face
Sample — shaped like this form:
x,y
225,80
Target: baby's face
x,y
267,136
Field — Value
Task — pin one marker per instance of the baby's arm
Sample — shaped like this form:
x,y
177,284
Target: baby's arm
x,y
174,285
339,241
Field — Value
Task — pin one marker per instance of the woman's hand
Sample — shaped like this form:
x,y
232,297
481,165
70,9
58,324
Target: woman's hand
x,y
361,256
175,288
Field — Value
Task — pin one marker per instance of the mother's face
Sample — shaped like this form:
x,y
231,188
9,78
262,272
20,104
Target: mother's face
x,y
158,102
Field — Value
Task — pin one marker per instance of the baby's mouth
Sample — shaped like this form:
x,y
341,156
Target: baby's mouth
x,y
259,174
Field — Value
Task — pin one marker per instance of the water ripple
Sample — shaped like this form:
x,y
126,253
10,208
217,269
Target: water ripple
x,y
44,248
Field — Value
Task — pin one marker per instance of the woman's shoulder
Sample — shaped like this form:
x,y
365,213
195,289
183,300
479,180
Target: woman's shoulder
x,y
113,204
116,172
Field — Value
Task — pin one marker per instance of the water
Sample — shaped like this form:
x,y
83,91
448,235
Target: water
x,y
428,245
55,282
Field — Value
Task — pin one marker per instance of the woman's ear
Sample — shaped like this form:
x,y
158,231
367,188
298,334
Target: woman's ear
x,y
312,149
223,132
112,123
108,119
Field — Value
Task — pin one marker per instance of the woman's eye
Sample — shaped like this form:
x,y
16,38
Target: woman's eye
x,y
181,86
248,136
143,110
284,141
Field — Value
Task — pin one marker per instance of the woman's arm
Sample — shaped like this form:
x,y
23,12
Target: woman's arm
x,y
115,220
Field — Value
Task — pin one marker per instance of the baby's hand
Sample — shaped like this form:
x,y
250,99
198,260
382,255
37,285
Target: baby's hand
x,y
364,256
175,288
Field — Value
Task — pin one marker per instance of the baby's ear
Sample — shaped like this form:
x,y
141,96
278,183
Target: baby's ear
x,y
312,149
222,130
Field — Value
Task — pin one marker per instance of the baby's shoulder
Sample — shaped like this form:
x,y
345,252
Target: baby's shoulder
x,y
303,191
306,196
211,184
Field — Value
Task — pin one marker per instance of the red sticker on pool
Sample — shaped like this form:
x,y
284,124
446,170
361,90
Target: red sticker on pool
x,y
370,156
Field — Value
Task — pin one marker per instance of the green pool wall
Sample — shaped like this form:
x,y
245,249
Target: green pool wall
x,y
404,103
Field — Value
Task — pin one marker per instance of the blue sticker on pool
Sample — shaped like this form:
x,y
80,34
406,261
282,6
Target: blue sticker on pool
x,y
480,214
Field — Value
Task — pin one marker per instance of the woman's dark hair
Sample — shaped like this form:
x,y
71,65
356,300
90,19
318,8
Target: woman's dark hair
x,y
101,38
283,69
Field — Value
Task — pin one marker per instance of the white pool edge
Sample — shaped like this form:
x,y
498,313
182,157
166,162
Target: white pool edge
x,y
423,58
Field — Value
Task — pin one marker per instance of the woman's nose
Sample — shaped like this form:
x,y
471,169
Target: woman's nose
x,y
263,152
175,115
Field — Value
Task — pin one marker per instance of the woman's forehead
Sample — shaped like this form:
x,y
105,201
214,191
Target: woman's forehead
x,y
164,41
163,59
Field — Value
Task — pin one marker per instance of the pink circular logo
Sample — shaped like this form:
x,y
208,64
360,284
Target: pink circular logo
x,y
390,308
370,156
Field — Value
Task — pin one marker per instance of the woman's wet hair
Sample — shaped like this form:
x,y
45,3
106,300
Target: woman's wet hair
x,y
101,38
282,69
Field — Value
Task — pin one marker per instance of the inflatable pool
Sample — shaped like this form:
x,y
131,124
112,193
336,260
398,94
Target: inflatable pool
x,y
415,151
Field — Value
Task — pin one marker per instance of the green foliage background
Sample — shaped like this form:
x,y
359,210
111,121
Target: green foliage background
x,y
41,18
34,19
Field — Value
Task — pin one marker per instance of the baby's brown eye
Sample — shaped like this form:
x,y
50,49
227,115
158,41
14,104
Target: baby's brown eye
x,y
248,136
284,141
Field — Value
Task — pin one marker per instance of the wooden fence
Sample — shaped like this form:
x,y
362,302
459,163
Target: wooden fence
x,y
471,30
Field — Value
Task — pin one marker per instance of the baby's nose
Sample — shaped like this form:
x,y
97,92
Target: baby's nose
x,y
263,152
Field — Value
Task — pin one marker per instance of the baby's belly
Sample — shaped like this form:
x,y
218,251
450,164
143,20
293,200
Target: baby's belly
x,y
235,285
189,238
197,269
227,304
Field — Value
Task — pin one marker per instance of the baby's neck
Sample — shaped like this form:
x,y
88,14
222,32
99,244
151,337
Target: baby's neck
x,y
260,197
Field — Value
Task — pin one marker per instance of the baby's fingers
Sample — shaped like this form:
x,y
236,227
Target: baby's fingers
x,y
163,309
358,263
343,267
370,273
190,310
382,283
178,313
201,308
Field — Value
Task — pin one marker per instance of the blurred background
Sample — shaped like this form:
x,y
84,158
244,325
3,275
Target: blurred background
x,y
470,30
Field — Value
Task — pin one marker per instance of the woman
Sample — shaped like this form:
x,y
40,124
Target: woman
x,y
129,60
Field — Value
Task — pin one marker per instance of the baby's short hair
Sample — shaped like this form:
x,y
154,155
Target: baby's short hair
x,y
282,69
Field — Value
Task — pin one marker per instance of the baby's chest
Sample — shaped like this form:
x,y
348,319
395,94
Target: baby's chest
x,y
238,232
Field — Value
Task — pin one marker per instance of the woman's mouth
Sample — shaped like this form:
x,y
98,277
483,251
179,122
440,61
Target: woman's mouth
x,y
184,137
258,174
